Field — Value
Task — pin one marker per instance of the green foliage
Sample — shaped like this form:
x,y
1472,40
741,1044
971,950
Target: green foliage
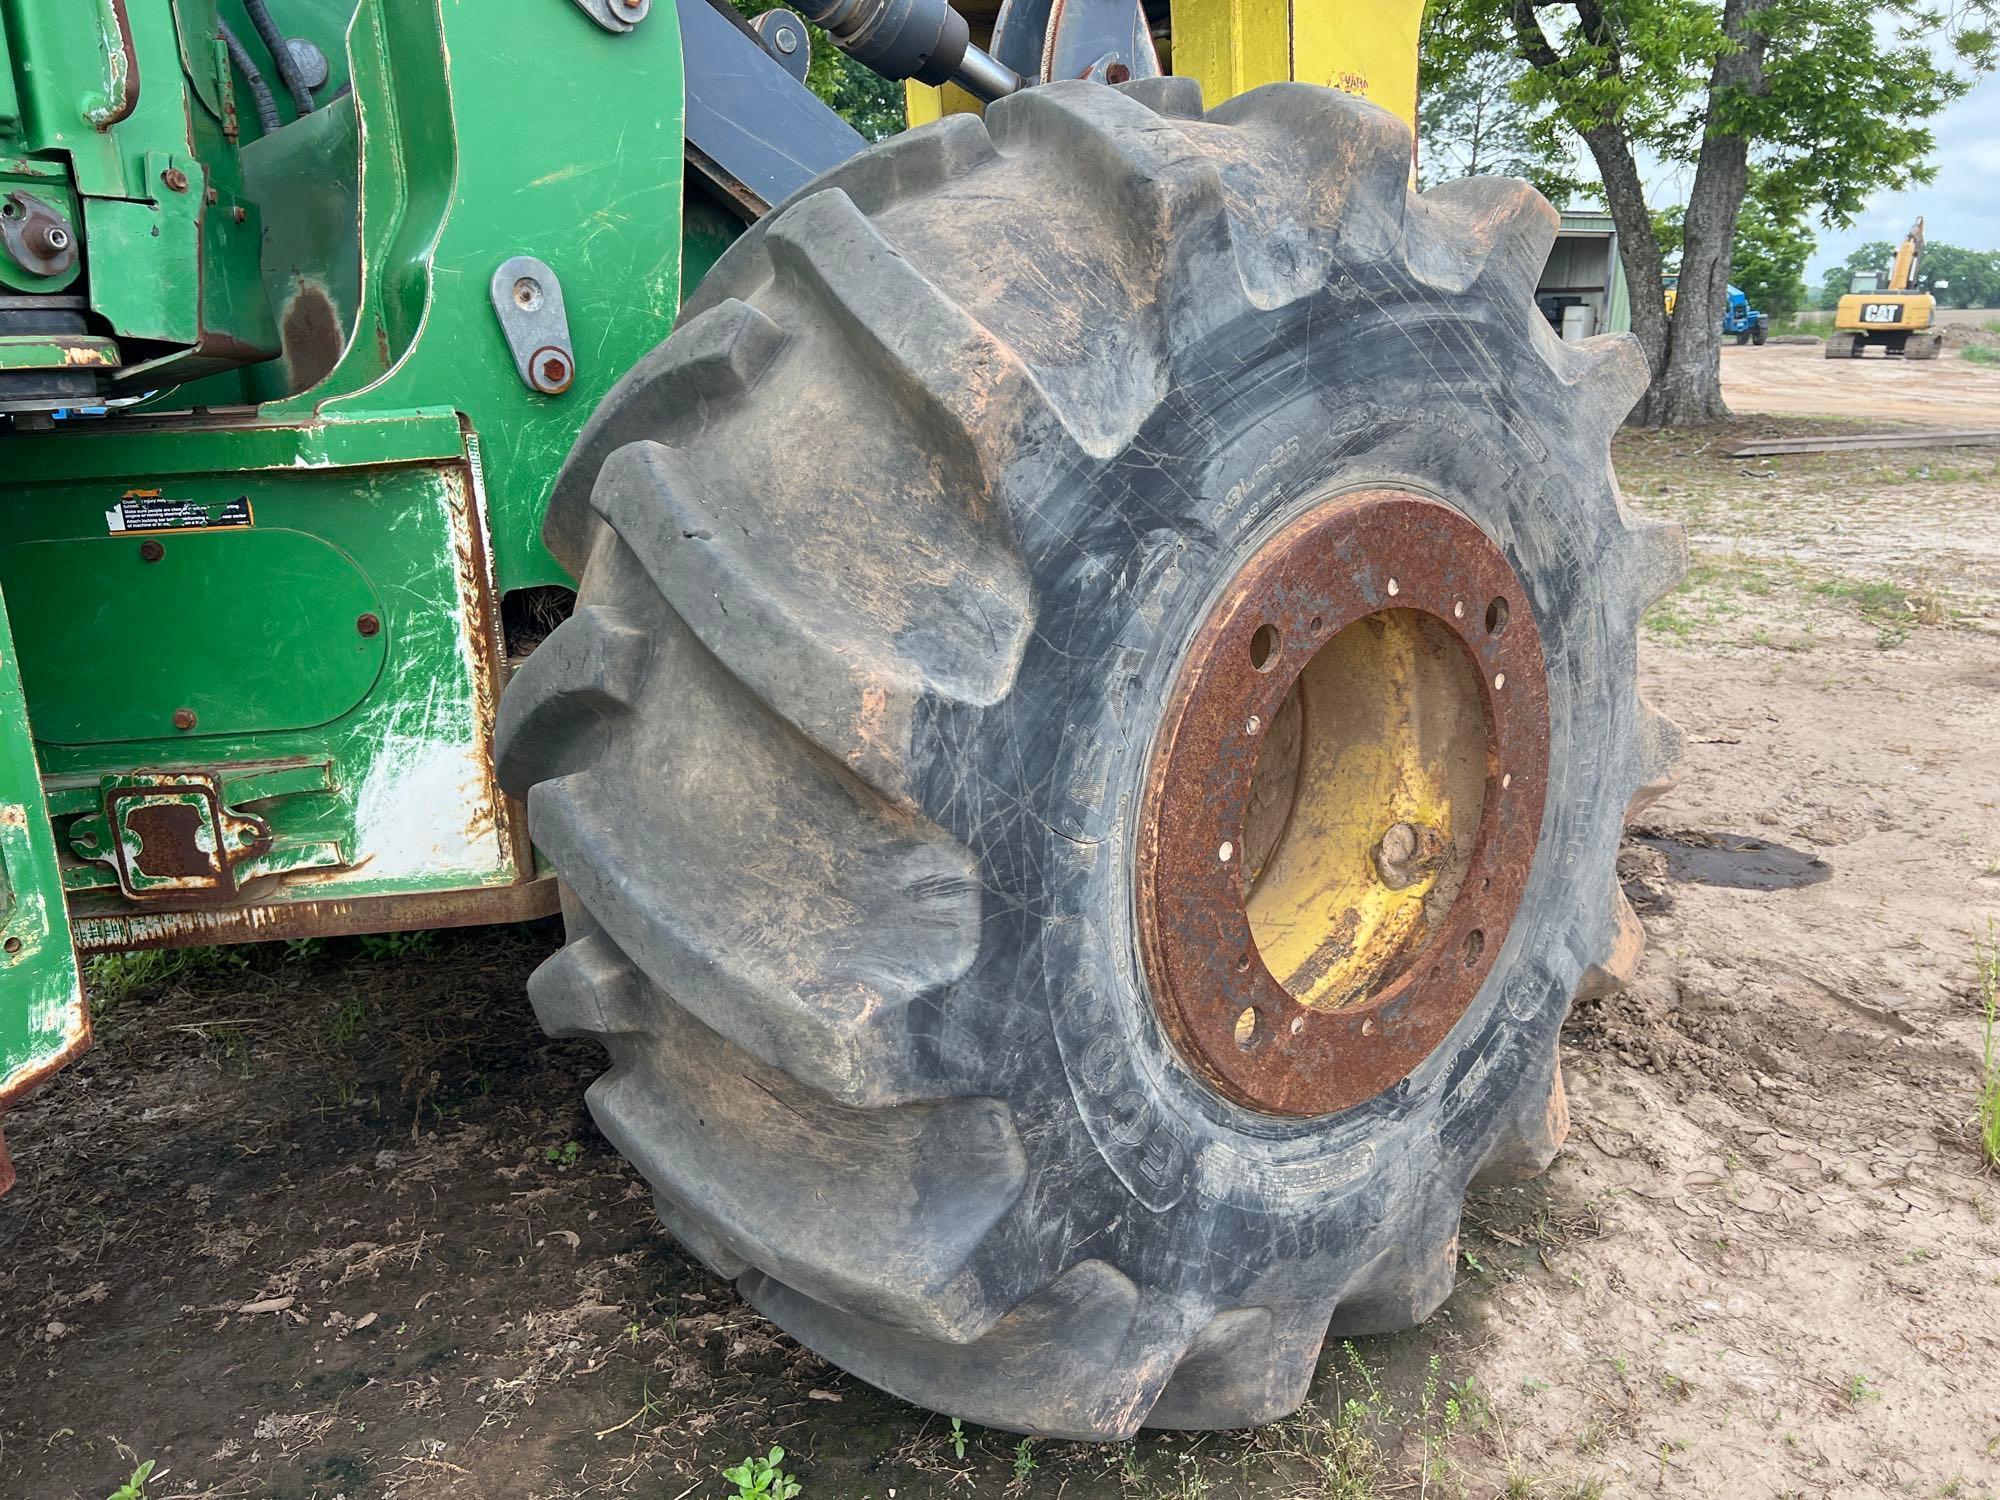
x,y
1767,259
957,1439
1980,355
762,1478
135,1487
112,979
396,945
866,100
1024,1461
1470,124
1873,256
1821,139
563,1157
1974,275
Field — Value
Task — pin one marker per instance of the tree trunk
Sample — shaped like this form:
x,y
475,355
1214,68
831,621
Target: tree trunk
x,y
1688,390
1684,352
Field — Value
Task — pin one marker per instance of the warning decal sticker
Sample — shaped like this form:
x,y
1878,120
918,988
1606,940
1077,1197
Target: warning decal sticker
x,y
149,510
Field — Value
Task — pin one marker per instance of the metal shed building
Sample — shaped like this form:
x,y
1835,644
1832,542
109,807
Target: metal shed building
x,y
1584,273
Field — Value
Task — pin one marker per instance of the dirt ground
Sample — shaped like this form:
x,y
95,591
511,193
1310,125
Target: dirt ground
x,y
329,1220
1950,391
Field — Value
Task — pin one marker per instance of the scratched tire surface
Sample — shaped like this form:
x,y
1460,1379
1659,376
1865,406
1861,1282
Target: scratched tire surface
x,y
888,556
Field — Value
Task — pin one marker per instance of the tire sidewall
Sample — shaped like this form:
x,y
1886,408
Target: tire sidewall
x,y
1509,460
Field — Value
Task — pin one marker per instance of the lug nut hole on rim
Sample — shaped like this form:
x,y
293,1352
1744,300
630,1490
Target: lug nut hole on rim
x,y
1496,615
1264,647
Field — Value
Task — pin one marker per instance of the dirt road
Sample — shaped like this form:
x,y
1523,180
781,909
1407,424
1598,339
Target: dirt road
x,y
1798,379
330,1220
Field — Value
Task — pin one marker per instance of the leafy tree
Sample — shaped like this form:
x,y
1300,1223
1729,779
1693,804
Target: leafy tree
x,y
1470,124
1767,259
1974,275
1831,97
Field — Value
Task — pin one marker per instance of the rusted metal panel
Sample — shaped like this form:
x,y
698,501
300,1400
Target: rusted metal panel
x,y
1382,556
113,931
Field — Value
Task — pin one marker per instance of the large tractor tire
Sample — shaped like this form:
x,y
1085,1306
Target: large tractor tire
x,y
1089,756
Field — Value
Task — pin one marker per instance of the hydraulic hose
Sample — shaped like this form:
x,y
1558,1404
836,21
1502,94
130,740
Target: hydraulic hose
x,y
260,91
281,55
922,39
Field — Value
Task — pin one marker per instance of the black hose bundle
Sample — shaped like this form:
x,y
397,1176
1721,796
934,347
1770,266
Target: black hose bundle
x,y
281,55
260,91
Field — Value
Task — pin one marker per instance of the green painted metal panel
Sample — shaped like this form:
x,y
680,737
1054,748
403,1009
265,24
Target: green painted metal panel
x,y
43,1020
458,176
117,634
406,794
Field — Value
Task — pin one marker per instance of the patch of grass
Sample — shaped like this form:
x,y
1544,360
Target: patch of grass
x,y
1891,607
395,945
1986,956
1860,1388
1979,354
114,979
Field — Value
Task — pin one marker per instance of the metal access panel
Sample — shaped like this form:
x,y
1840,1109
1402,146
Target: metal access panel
x,y
263,659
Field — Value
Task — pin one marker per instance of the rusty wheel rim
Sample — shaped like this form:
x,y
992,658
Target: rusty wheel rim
x,y
1377,603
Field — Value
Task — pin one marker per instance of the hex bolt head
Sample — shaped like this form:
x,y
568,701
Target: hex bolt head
x,y
175,179
368,625
184,718
151,551
550,370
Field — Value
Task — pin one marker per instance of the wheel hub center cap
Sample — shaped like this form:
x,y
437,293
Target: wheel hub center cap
x,y
1344,803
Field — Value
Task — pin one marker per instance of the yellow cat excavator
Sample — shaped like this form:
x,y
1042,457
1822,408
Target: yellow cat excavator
x,y
1894,317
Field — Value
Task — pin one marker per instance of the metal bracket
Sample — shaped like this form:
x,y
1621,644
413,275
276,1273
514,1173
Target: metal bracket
x,y
785,37
169,836
615,15
528,301
180,836
38,238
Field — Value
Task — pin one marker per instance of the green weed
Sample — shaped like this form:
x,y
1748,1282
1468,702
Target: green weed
x,y
395,945
1024,1461
113,979
135,1487
762,1478
345,1024
1978,354
957,1439
563,1157
1860,1388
